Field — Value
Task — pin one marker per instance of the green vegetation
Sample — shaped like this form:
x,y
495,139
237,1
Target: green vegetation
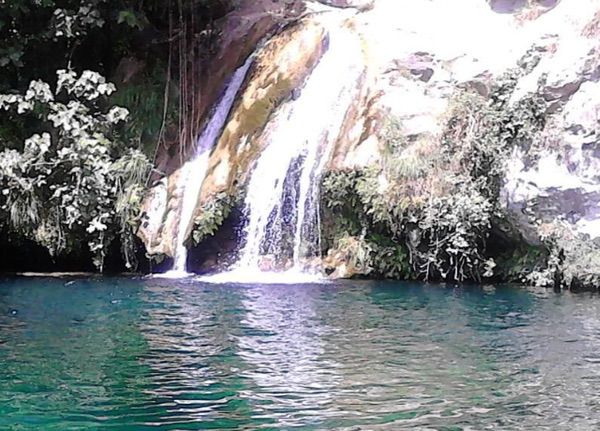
x,y
354,226
211,216
522,263
72,180
432,201
571,260
76,149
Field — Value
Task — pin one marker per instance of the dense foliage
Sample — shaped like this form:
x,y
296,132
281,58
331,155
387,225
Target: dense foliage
x,y
72,180
76,149
433,201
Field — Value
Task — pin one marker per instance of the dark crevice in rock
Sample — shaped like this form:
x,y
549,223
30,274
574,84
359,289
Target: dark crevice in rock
x,y
22,255
218,252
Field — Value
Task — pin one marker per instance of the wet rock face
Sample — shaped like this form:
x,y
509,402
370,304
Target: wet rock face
x,y
418,56
242,30
279,69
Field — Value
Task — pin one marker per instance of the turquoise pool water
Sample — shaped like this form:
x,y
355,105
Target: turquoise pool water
x,y
135,354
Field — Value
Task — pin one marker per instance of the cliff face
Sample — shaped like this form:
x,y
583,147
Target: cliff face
x,y
419,57
440,47
280,68
282,63
243,29
557,179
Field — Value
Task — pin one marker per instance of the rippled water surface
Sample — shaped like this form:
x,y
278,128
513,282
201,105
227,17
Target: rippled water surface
x,y
123,354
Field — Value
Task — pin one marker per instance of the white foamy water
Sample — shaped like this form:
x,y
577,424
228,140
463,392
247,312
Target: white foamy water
x,y
282,201
194,171
256,276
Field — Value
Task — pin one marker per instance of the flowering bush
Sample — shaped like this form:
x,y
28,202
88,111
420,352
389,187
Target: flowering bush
x,y
73,180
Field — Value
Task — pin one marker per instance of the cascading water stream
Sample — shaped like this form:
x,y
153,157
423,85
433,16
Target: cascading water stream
x,y
282,202
194,171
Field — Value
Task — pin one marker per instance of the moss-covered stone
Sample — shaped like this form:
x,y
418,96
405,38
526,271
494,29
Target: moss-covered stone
x,y
281,66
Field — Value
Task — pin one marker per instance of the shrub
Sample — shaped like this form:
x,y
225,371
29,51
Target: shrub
x,y
211,216
374,257
434,198
70,182
521,261
453,230
573,260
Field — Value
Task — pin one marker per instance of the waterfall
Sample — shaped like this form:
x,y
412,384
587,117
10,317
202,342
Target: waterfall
x,y
194,171
282,233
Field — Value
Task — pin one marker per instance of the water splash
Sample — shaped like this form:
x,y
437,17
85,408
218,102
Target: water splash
x,y
282,202
194,171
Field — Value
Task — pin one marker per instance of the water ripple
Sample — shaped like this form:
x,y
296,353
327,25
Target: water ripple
x,y
120,354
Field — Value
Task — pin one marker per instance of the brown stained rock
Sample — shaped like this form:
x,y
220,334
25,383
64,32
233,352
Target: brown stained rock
x,y
340,262
160,216
242,30
280,68
356,129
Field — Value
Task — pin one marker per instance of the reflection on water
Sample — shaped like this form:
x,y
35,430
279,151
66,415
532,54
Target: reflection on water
x,y
190,354
119,354
282,347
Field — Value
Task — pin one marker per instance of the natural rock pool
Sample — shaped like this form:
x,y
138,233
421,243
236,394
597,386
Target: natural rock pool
x,y
134,354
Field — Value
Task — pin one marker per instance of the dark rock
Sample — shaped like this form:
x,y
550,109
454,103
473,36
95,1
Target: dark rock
x,y
362,5
507,6
562,93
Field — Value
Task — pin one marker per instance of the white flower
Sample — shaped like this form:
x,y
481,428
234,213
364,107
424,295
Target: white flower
x,y
117,114
38,144
40,91
96,225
